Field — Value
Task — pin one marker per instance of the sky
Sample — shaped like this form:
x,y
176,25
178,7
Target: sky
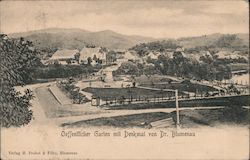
x,y
158,18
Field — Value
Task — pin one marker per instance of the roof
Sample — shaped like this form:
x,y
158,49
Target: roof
x,y
180,53
206,53
129,55
169,54
119,50
90,52
229,55
64,54
179,49
223,54
152,55
195,57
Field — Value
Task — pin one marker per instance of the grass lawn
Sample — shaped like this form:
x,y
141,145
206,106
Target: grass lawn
x,y
214,117
189,87
216,101
188,119
239,66
136,120
116,93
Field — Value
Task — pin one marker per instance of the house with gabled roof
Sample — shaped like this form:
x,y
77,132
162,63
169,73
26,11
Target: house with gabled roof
x,y
95,54
64,56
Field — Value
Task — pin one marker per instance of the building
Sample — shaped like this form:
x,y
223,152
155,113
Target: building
x,y
64,56
120,51
153,55
129,56
223,55
206,54
96,55
179,54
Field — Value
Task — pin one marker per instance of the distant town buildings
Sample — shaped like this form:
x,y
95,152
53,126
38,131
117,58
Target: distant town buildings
x,y
229,55
97,55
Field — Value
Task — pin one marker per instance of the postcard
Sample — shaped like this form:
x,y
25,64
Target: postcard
x,y
124,79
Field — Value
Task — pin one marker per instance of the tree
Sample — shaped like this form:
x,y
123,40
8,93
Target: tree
x,y
17,58
99,61
89,60
206,59
77,57
127,68
111,56
95,58
149,69
134,83
68,61
103,50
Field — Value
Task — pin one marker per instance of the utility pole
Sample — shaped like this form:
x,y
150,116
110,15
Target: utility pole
x,y
177,109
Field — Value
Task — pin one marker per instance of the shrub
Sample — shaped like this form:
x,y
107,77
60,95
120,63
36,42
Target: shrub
x,y
72,92
17,57
16,111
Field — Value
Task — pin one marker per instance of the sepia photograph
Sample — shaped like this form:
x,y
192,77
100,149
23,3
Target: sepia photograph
x,y
123,79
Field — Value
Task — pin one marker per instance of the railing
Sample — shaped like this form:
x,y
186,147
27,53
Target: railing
x,y
138,100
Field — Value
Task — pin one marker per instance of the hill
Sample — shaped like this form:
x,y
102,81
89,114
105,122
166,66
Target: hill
x,y
51,39
78,38
216,40
213,42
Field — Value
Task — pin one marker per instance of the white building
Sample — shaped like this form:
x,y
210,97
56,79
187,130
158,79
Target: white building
x,y
128,55
206,54
94,54
63,56
153,55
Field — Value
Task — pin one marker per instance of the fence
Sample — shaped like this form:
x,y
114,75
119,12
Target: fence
x,y
156,99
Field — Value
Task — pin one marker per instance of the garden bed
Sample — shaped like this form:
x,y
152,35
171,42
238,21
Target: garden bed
x,y
72,92
128,93
184,86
